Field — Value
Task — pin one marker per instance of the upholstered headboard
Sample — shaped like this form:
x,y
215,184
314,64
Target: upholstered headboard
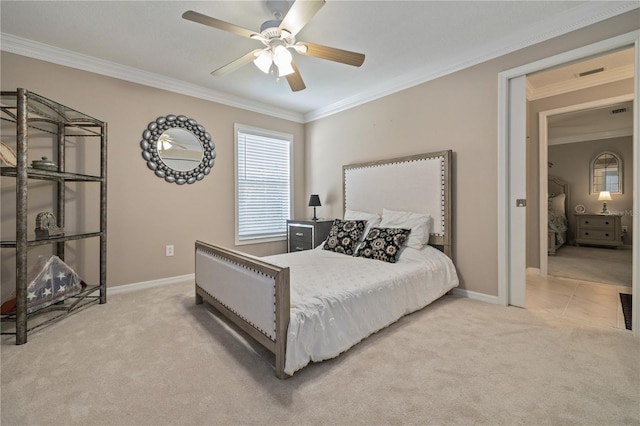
x,y
557,186
419,183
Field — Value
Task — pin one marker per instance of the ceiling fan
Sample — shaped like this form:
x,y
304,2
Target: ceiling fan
x,y
278,37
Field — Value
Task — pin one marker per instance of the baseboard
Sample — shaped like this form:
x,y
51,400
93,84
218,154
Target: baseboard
x,y
486,298
190,277
150,284
533,271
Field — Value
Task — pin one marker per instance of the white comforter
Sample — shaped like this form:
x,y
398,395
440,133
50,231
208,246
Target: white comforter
x,y
338,300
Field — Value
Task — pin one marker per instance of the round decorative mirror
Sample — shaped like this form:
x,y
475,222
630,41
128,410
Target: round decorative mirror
x,y
178,149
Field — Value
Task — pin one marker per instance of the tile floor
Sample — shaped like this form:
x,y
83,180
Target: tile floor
x,y
598,304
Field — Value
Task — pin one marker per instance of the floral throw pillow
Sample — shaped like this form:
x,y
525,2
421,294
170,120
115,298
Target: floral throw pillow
x,y
383,244
344,236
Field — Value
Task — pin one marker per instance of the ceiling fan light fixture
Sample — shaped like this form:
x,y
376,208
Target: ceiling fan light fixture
x,y
273,70
285,69
282,58
285,34
263,61
277,36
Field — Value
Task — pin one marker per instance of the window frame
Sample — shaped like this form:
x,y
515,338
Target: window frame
x,y
619,172
285,137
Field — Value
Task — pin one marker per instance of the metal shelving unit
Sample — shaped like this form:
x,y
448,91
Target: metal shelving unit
x,y
29,111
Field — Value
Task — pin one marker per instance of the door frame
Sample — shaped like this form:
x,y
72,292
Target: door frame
x,y
543,171
516,238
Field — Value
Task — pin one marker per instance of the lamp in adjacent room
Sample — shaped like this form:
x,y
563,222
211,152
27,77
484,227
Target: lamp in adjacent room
x,y
604,197
314,201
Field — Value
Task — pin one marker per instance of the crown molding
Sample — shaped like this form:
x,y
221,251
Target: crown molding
x,y
595,136
588,14
585,15
21,46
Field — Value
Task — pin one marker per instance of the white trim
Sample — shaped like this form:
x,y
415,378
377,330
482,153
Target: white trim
x,y
482,297
588,14
557,25
544,170
533,271
596,136
543,193
628,39
503,189
272,134
126,288
44,52
581,53
608,76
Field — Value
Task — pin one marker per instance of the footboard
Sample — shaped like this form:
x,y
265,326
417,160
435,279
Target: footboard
x,y
253,294
551,243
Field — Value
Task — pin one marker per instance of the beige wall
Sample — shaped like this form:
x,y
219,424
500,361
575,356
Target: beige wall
x,y
624,87
572,162
457,112
144,212
432,117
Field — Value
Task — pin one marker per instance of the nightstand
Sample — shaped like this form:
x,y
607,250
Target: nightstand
x,y
307,234
599,230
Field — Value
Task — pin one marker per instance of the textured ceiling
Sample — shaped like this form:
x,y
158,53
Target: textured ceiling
x,y
405,43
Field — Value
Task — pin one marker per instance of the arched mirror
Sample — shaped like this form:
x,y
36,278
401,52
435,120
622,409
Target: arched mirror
x,y
178,149
606,173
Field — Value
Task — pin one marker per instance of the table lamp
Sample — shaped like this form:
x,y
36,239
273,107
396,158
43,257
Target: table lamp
x,y
314,201
604,196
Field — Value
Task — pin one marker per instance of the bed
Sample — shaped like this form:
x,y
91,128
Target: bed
x,y
313,305
558,223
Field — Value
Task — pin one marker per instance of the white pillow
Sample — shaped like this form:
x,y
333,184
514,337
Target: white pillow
x,y
420,225
373,219
557,203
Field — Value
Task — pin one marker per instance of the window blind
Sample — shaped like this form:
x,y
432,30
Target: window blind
x,y
263,185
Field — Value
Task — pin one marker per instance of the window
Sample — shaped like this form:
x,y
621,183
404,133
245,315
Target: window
x,y
263,184
610,180
606,173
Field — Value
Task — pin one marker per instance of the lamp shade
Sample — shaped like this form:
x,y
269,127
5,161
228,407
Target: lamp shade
x,y
285,69
282,58
264,61
314,200
604,196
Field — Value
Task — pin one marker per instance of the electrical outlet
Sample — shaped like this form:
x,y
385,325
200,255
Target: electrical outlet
x,y
168,251
625,229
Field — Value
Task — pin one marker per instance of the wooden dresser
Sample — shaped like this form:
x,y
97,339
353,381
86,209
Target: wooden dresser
x,y
599,230
307,234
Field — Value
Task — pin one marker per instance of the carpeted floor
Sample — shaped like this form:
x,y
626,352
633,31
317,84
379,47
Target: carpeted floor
x,y
596,264
153,357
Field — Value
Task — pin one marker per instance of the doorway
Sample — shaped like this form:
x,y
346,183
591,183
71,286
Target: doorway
x,y
570,120
578,280
512,190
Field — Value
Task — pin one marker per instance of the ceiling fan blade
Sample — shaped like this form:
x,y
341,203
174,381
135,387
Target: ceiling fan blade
x,y
234,65
295,79
216,23
331,54
299,14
